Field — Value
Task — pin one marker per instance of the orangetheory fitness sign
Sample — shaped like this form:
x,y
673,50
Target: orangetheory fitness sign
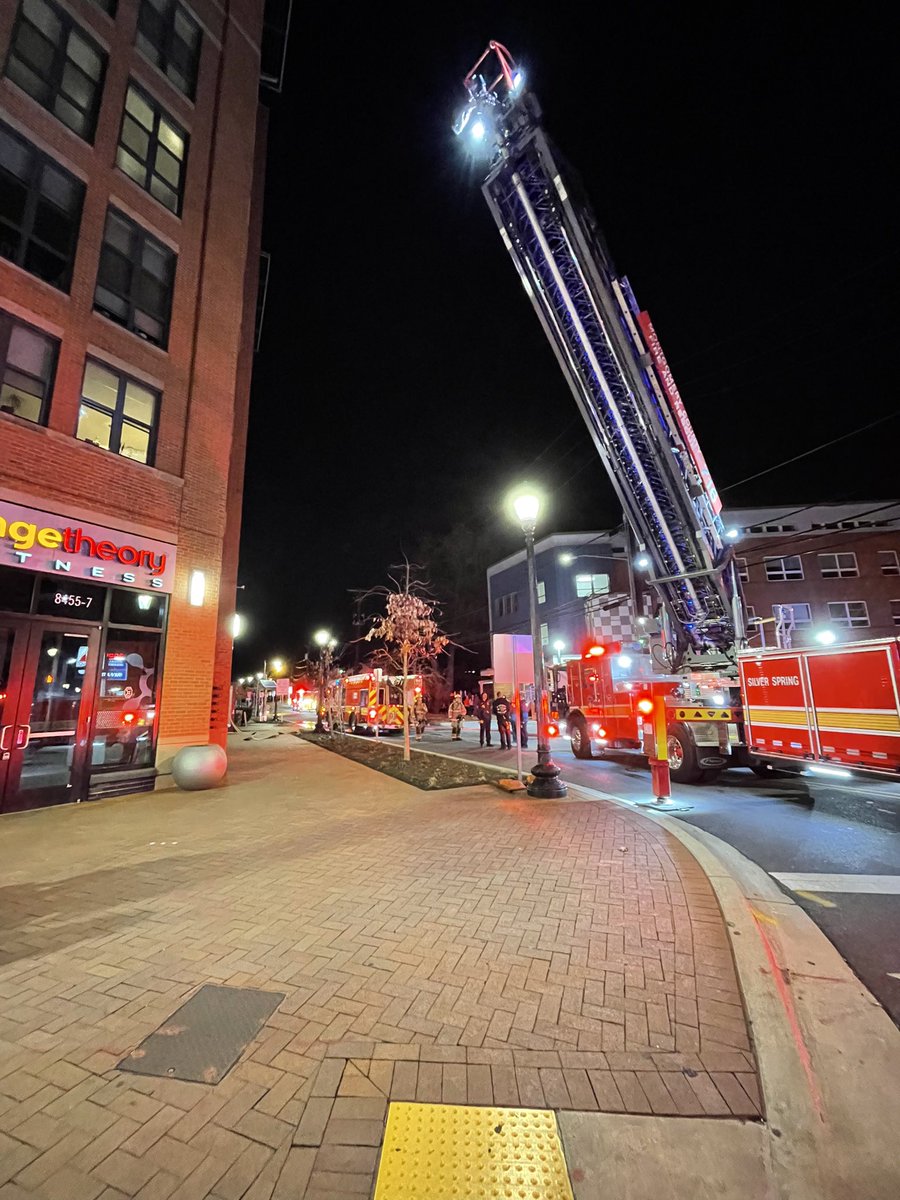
x,y
41,541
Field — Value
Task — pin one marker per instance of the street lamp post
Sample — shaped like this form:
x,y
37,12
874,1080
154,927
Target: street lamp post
x,y
277,667
325,642
546,783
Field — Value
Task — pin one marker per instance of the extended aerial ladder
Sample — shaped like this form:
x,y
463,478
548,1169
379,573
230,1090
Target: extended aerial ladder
x,y
609,352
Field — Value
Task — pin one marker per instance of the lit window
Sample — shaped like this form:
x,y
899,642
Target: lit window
x,y
170,38
117,413
784,568
152,149
889,563
27,364
40,211
591,585
542,592
742,570
134,281
852,614
895,611
57,64
838,566
802,616
545,635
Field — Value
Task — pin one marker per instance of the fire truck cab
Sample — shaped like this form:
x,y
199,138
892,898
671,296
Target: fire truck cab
x,y
612,694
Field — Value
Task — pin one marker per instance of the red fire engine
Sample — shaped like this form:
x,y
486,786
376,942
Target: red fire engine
x,y
372,702
611,695
835,705
819,706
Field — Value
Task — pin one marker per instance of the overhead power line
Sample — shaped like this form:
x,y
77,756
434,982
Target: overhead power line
x,y
815,450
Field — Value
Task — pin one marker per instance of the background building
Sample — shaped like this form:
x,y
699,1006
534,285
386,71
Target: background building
x,y
131,161
832,566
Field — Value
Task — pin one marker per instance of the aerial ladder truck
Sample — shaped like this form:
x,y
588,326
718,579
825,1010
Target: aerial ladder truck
x,y
697,694
609,353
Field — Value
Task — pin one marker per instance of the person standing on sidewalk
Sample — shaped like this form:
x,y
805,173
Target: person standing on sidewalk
x,y
502,709
483,713
456,712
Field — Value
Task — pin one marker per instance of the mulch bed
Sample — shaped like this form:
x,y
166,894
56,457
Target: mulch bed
x,y
430,772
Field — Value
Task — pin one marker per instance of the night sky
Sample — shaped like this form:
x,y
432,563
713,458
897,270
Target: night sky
x,y
740,166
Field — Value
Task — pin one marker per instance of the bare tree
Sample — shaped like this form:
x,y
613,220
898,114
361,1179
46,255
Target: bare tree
x,y
409,632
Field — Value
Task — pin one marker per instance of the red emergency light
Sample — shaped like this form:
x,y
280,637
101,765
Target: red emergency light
x,y
595,652
645,705
552,731
127,718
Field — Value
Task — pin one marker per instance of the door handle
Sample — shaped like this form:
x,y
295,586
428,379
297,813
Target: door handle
x,y
23,734
5,731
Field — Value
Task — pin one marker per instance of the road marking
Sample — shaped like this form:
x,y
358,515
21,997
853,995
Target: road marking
x,y
815,899
875,885
761,916
893,974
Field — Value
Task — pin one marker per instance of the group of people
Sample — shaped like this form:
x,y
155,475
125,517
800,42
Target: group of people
x,y
485,710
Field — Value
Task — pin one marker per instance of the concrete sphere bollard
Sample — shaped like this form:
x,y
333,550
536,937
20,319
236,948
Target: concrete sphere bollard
x,y
198,767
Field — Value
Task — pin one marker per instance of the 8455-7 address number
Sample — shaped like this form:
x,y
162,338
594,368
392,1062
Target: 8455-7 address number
x,y
73,600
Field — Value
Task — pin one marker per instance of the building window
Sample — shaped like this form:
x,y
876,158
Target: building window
x,y
57,64
852,614
170,37
838,566
27,365
542,592
742,570
545,635
40,211
591,585
784,568
889,563
895,611
117,413
801,613
134,281
152,149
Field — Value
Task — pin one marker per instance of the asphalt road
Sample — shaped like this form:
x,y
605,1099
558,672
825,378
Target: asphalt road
x,y
787,825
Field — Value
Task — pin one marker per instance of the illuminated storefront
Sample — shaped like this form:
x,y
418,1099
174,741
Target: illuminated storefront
x,y
83,615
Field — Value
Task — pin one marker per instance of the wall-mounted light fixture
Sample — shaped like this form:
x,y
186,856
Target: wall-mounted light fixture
x,y
197,589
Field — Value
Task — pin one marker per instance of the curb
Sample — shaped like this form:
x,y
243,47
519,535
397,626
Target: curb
x,y
828,1054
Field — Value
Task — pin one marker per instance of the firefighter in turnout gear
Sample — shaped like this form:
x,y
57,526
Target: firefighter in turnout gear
x,y
419,715
456,712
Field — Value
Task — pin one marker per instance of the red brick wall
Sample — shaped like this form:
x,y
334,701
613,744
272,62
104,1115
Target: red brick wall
x,y
875,589
191,496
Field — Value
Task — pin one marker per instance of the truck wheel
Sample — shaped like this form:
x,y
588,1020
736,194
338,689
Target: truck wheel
x,y
578,738
683,764
352,723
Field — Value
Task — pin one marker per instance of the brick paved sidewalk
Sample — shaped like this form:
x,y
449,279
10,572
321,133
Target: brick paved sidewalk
x,y
464,947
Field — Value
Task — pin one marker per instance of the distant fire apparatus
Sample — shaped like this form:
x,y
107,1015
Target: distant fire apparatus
x,y
372,702
686,677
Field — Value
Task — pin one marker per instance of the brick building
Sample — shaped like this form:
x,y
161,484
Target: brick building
x,y
830,566
132,146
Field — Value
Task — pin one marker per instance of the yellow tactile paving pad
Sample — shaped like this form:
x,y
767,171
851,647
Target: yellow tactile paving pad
x,y
452,1152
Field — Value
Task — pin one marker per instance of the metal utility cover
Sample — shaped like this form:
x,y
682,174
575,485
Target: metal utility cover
x,y
203,1039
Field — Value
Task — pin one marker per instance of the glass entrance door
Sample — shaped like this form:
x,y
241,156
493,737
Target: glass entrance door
x,y
46,714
